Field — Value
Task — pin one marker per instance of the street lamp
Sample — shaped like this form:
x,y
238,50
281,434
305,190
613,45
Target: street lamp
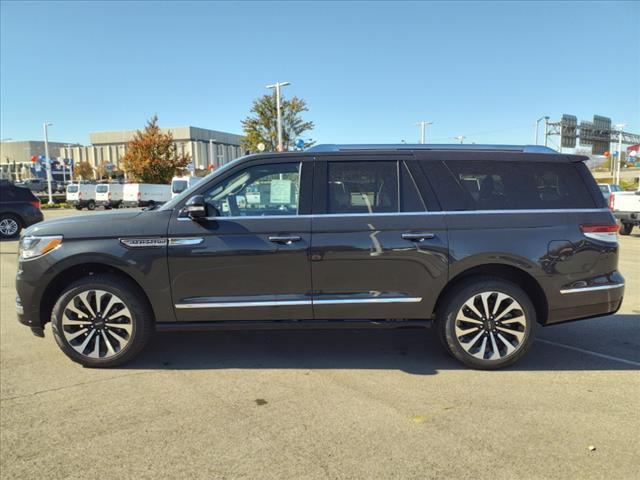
x,y
545,118
47,160
423,129
620,128
278,86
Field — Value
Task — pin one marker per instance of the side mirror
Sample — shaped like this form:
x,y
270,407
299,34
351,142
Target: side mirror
x,y
195,208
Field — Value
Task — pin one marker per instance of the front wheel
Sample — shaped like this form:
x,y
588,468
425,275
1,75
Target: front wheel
x,y
91,205
101,321
625,228
487,323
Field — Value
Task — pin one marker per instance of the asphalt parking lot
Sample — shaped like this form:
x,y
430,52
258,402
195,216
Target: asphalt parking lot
x,y
341,404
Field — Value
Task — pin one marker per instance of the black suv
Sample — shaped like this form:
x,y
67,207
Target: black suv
x,y
19,208
486,242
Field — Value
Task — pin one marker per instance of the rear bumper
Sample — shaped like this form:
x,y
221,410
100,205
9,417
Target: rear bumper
x,y
588,302
628,217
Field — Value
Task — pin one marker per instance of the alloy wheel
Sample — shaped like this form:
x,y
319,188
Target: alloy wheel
x,y
8,227
491,326
97,324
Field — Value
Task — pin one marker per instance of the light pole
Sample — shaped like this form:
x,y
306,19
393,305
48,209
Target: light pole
x,y
423,130
545,118
211,159
460,138
278,86
47,160
620,128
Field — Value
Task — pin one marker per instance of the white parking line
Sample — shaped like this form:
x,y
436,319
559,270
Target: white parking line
x,y
589,352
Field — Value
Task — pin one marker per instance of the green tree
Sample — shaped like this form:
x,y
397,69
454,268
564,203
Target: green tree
x,y
83,170
152,157
262,127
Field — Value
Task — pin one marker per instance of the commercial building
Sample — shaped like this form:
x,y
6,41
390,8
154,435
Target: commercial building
x,y
205,147
15,157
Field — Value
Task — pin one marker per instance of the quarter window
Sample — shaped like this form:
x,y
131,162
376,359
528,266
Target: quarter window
x,y
261,190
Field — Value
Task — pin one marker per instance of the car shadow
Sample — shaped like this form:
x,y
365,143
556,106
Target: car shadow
x,y
572,346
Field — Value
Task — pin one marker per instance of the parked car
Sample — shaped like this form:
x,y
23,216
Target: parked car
x,y
109,195
19,208
626,208
608,188
180,184
145,194
486,243
36,184
82,195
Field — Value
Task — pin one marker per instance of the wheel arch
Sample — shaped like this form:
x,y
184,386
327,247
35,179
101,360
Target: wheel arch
x,y
67,276
506,272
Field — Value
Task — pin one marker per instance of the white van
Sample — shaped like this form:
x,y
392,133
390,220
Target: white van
x,y
82,195
180,184
145,194
109,195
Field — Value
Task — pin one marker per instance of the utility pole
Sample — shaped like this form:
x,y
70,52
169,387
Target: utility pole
x,y
47,159
277,86
423,130
545,118
460,138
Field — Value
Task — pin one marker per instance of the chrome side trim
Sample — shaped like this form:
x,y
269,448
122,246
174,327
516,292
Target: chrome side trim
x,y
368,300
395,214
591,289
179,242
282,303
148,242
287,303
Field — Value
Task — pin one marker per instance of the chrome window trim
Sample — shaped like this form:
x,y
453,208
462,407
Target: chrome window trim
x,y
394,214
591,289
286,303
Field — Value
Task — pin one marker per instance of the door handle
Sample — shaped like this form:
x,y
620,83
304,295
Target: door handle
x,y
286,240
417,237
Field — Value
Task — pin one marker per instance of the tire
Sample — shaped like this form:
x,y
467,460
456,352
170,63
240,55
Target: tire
x,y
127,330
10,225
625,228
472,340
78,207
91,205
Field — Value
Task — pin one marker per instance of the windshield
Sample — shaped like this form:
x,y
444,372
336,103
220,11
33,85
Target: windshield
x,y
102,188
178,186
170,205
72,188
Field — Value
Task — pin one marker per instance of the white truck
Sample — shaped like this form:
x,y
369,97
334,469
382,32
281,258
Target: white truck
x,y
82,195
109,195
626,208
145,194
180,184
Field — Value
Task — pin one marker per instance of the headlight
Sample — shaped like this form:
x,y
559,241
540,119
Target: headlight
x,y
32,247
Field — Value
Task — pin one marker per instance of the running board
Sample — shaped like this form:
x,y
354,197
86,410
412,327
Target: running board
x,y
291,325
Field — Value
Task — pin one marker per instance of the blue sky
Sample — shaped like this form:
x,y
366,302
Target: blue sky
x,y
368,70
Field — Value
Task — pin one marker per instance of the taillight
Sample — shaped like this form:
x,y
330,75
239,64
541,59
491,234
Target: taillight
x,y
611,201
79,195
109,196
139,196
35,203
604,233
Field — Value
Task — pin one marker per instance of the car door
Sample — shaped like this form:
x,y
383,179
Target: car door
x,y
248,259
376,252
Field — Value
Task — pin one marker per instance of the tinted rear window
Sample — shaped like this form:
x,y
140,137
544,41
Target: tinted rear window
x,y
72,188
507,185
101,189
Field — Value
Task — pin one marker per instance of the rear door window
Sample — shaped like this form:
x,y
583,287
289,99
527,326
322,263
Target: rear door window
x,y
518,185
102,188
362,187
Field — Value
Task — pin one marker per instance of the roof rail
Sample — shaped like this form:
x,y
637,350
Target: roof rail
x,y
330,147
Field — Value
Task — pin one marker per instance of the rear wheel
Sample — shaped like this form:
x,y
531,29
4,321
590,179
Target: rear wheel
x,y
487,323
625,228
78,207
100,321
91,205
10,225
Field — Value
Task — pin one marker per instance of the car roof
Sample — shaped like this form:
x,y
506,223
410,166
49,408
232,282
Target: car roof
x,y
330,147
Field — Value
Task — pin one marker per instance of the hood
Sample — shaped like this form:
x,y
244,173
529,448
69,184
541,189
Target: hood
x,y
105,225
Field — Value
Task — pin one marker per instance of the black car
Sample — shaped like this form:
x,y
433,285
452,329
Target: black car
x,y
484,242
19,208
